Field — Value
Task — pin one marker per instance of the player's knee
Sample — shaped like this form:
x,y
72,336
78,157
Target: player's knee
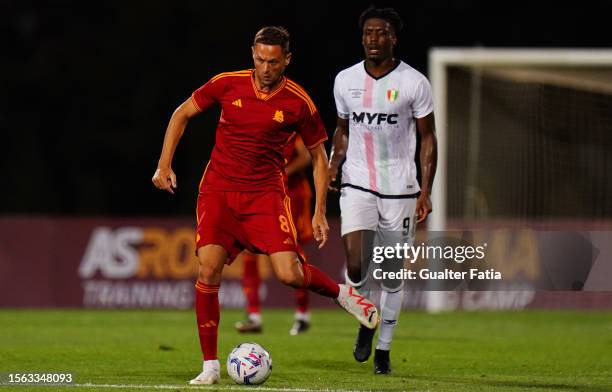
x,y
209,274
290,278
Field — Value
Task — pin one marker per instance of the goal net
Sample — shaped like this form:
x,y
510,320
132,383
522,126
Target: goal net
x,y
525,135
524,141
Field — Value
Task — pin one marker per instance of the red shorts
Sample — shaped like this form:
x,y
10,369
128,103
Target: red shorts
x,y
260,222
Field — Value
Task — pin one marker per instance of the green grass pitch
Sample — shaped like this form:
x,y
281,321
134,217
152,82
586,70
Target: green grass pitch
x,y
158,350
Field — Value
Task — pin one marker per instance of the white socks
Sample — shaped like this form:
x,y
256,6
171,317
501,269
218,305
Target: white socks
x,y
390,307
212,364
255,318
302,316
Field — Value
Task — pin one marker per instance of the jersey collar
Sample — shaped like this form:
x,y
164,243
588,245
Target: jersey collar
x,y
266,96
397,63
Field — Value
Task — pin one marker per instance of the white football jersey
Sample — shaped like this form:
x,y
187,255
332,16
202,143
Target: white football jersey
x,y
382,127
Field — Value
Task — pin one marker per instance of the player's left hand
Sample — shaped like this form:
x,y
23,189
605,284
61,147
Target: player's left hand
x,y
320,228
423,207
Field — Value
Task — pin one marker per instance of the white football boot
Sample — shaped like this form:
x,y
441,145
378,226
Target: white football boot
x,y
354,303
211,373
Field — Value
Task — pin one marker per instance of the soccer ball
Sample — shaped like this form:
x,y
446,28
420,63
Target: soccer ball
x,y
249,363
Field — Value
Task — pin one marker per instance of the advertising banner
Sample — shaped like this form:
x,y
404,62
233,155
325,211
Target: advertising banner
x,y
151,263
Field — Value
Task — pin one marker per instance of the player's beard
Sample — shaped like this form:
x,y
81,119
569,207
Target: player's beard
x,y
270,82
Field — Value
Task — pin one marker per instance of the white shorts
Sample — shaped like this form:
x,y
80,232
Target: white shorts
x,y
393,221
362,210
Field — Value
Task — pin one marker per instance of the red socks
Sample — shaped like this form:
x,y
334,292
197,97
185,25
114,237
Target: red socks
x,y
251,282
318,281
301,300
207,315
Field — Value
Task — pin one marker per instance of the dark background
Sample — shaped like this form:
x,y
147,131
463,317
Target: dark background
x,y
88,87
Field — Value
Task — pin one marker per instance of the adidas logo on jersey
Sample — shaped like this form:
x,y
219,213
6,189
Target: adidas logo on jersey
x,y
288,241
237,102
377,118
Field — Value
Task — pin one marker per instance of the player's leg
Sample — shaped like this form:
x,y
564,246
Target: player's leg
x,y
358,252
250,287
212,258
359,217
357,249
302,313
390,305
300,196
216,236
268,225
397,226
290,271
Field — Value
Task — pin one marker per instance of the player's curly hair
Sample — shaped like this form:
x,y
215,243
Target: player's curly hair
x,y
273,35
388,14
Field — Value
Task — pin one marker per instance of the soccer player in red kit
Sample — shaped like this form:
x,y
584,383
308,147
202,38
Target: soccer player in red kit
x,y
299,191
242,202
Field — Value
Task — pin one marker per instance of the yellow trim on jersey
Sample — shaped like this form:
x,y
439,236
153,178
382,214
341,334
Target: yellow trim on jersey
x,y
303,91
195,103
266,96
200,187
217,77
305,98
203,175
287,203
300,89
276,90
317,143
245,72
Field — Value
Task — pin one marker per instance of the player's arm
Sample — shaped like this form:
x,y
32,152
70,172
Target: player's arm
x,y
164,178
429,158
338,151
301,159
319,168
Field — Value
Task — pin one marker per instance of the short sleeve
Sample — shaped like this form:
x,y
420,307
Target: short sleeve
x,y
310,127
423,101
209,93
341,107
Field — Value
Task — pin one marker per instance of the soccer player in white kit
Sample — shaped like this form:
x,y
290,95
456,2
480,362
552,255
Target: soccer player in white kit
x,y
381,103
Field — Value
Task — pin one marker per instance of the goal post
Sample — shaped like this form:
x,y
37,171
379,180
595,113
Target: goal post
x,y
582,73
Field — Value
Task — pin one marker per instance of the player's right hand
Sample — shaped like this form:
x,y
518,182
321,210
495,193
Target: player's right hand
x,y
332,175
320,228
164,179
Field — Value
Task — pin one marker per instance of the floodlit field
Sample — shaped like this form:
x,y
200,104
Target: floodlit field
x,y
158,350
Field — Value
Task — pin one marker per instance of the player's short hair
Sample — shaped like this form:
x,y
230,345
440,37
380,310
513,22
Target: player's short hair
x,y
273,35
387,14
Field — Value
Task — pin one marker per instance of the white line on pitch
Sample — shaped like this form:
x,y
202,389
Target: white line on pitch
x,y
215,387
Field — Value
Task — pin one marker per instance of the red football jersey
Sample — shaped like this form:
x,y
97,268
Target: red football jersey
x,y
254,129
